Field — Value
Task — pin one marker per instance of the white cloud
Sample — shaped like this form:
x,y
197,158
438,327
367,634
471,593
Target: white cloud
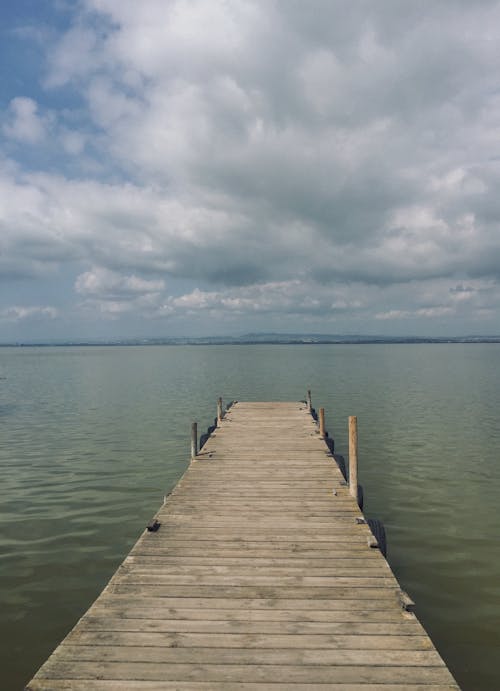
x,y
428,312
272,158
99,282
24,122
74,56
18,313
73,142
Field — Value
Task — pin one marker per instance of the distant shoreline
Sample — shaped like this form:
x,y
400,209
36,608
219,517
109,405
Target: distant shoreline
x,y
259,340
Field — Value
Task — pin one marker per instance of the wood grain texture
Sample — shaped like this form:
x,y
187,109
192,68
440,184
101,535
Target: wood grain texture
x,y
258,578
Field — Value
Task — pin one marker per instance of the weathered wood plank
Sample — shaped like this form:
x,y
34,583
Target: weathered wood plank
x,y
165,685
254,580
105,622
238,567
291,551
276,541
239,656
216,673
81,636
257,604
131,610
246,592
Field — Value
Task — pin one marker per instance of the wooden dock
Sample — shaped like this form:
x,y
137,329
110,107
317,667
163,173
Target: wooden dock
x,y
260,576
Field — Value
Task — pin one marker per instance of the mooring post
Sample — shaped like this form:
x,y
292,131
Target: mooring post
x,y
353,456
219,412
194,440
322,423
309,400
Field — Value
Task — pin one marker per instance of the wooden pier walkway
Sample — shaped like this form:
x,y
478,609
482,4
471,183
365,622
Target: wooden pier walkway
x,y
259,577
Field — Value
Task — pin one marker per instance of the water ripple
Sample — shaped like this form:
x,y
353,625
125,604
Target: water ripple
x,y
93,437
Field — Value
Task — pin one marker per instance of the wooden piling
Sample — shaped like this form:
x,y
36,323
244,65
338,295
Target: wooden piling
x,y
322,423
219,412
353,456
309,400
194,440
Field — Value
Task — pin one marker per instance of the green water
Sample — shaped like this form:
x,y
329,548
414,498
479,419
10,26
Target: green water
x,y
91,438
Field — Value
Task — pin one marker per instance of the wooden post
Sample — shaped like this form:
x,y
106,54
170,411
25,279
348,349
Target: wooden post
x,y
353,456
194,440
219,412
322,423
309,400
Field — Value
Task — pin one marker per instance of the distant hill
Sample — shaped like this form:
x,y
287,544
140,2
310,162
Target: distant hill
x,y
266,338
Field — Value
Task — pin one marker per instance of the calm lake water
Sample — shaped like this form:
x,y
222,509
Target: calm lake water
x,y
91,438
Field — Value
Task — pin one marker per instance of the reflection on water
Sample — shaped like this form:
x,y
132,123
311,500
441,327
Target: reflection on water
x,y
93,437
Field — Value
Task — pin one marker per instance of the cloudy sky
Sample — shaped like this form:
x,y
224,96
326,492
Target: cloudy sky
x,y
203,167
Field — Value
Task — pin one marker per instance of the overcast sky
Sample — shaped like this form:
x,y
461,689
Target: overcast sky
x,y
186,167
